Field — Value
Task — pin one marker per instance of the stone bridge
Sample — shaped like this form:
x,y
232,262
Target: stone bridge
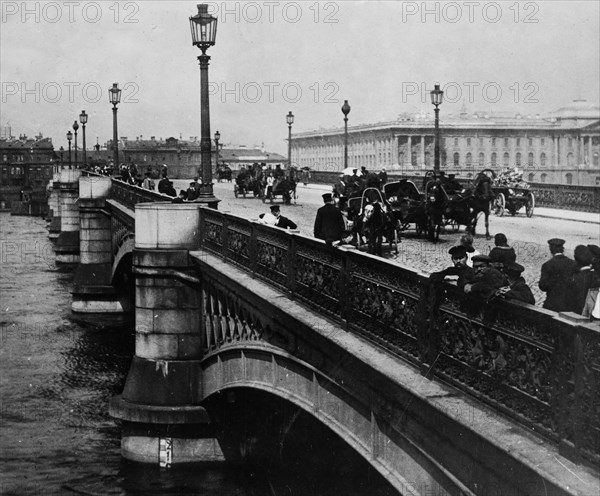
x,y
436,394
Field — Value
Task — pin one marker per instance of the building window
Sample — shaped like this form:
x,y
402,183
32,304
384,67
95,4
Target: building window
x,y
468,141
530,142
570,142
530,160
542,159
570,159
480,141
596,159
518,141
455,141
518,159
5,158
506,142
469,160
530,177
481,159
494,159
505,159
543,178
456,159
413,158
543,141
569,178
493,141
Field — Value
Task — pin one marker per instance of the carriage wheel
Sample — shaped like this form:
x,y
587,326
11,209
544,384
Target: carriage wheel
x,y
530,205
500,205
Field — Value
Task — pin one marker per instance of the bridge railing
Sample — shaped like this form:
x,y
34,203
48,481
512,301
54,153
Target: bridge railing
x,y
529,363
129,195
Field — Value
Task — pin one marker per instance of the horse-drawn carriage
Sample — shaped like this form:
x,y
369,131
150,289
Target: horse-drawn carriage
x,y
247,184
409,204
224,173
284,187
511,193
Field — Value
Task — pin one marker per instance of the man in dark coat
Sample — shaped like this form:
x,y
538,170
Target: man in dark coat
x,y
329,223
555,276
517,288
163,184
502,254
459,268
282,221
485,280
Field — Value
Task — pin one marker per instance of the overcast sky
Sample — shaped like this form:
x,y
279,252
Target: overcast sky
x,y
58,58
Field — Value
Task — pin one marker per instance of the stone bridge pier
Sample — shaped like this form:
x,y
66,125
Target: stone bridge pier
x,y
64,225
163,421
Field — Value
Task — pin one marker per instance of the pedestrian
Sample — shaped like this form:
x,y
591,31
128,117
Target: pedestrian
x,y
466,241
163,184
517,288
582,280
329,223
485,280
282,222
148,183
458,269
591,308
169,189
555,276
269,219
502,254
383,177
192,191
269,186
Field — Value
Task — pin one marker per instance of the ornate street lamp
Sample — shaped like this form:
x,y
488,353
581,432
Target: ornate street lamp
x,y
437,96
114,95
75,128
69,138
345,111
83,118
217,138
290,120
204,32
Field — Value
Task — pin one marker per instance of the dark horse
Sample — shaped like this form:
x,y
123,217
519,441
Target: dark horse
x,y
462,209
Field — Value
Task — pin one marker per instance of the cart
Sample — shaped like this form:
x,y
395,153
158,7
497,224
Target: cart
x,y
512,200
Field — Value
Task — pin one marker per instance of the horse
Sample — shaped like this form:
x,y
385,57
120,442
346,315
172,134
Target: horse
x,y
374,223
480,201
436,205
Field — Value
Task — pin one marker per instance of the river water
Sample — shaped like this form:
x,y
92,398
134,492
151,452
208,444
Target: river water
x,y
57,373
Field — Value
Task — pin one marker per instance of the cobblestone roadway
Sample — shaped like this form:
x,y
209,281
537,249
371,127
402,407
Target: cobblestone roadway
x,y
527,236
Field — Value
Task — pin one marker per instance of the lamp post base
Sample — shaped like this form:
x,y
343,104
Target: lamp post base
x,y
207,196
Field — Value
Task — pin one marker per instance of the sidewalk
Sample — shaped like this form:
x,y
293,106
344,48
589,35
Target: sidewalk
x,y
543,212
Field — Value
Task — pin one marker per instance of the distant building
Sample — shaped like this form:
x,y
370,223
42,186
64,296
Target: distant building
x,y
25,163
562,148
183,157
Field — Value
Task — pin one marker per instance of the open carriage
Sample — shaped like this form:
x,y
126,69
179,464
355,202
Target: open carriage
x,y
408,203
513,200
284,188
374,220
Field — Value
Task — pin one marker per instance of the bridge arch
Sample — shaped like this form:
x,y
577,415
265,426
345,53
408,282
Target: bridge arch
x,y
261,366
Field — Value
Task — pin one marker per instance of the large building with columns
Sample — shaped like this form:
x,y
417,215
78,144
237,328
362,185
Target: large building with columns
x,y
562,148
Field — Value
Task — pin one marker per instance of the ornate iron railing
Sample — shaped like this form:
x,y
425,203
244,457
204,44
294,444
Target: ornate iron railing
x,y
530,364
129,195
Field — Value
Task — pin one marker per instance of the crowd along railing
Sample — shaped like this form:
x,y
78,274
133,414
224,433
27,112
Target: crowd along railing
x,y
533,365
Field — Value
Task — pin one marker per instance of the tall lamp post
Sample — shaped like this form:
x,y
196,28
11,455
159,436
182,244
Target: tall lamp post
x,y
345,111
217,138
75,128
290,120
437,96
83,118
204,32
114,95
69,138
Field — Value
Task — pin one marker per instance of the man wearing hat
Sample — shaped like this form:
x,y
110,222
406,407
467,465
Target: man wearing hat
x,y
502,254
282,221
583,279
517,288
452,186
555,276
329,223
459,267
485,280
192,192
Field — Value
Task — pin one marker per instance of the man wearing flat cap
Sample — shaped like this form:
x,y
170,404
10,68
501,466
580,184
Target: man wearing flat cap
x,y
485,279
555,276
459,267
517,288
329,223
282,221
